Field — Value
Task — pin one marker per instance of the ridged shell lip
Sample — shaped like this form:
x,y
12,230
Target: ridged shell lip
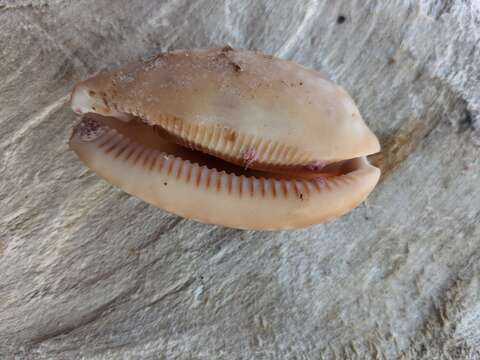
x,y
133,157
249,154
153,138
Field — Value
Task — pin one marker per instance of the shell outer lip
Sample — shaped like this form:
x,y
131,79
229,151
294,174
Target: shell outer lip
x,y
301,208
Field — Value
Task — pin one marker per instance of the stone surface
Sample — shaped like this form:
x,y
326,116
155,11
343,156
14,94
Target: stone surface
x,y
88,271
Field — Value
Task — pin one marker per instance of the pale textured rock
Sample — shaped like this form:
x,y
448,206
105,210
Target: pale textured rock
x,y
90,271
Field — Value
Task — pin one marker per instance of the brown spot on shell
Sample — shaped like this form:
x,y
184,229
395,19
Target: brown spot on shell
x,y
236,67
104,99
227,48
224,55
231,135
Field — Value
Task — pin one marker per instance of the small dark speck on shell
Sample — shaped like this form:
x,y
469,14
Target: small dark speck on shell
x,y
165,183
236,67
341,19
391,61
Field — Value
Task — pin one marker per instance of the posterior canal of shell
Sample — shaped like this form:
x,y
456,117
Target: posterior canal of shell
x,y
228,137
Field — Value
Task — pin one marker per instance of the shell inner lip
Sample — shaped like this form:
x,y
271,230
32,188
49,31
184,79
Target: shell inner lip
x,y
138,130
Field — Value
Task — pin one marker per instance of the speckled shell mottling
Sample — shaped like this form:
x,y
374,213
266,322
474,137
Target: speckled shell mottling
x,y
228,102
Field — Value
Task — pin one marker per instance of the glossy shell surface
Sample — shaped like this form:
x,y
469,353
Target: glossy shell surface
x,y
191,114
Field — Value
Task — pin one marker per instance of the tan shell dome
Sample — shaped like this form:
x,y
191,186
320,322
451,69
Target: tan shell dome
x,y
230,102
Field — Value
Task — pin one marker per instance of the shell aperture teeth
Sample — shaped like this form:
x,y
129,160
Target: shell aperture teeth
x,y
269,146
195,185
93,126
250,156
